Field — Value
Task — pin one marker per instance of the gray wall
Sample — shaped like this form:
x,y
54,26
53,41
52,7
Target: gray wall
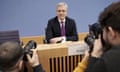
x,y
30,16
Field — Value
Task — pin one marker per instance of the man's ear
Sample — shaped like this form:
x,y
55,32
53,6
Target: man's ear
x,y
112,33
20,65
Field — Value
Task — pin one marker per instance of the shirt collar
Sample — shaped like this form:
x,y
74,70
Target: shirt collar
x,y
61,21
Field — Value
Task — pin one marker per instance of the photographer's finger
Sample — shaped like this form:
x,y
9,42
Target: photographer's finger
x,y
28,57
87,52
34,50
100,35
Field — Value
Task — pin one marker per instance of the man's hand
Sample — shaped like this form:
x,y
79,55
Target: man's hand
x,y
97,48
56,39
34,60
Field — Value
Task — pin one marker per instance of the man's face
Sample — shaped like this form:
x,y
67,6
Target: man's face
x,y
61,12
106,39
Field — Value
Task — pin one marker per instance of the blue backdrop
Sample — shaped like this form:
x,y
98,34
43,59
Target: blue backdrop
x,y
30,16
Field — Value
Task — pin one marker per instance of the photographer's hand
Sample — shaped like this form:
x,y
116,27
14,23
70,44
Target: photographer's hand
x,y
97,48
34,60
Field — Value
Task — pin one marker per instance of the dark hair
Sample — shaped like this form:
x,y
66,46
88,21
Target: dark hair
x,y
10,53
111,17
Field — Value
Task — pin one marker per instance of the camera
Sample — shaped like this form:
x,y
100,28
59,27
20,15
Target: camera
x,y
94,32
30,45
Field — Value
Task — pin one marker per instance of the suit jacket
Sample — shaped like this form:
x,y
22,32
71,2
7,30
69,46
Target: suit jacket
x,y
54,30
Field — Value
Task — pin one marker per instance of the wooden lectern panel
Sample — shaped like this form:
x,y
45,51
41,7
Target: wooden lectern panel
x,y
55,58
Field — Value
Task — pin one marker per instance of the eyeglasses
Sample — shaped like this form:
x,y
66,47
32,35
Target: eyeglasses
x,y
61,10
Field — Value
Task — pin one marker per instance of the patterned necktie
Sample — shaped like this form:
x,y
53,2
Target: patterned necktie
x,y
62,29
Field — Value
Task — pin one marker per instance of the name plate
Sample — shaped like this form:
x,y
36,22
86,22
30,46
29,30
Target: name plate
x,y
77,49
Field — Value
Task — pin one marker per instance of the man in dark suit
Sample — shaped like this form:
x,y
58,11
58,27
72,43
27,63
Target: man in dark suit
x,y
61,28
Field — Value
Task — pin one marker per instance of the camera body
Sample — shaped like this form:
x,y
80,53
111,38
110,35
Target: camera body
x,y
94,32
30,45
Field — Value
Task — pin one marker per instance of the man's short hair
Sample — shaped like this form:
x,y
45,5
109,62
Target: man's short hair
x,y
10,53
111,16
62,4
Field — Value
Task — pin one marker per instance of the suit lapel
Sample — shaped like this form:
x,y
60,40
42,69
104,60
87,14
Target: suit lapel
x,y
58,28
66,25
